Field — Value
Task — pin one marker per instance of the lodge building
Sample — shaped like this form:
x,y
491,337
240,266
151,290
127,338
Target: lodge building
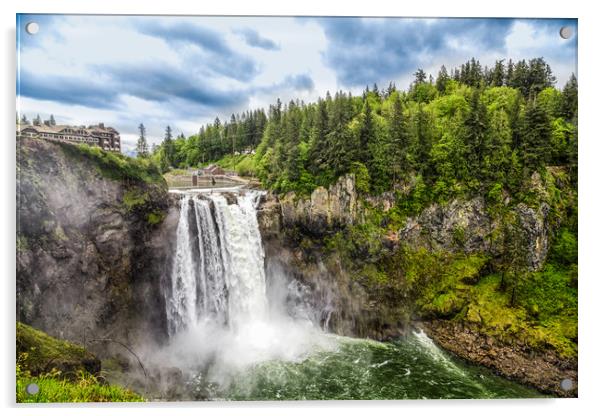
x,y
106,138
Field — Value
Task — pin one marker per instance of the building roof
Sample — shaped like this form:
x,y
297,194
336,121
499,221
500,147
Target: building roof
x,y
59,128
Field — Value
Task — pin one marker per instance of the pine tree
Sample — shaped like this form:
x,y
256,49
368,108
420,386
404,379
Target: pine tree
x,y
399,138
317,144
520,78
509,74
24,120
539,76
537,148
442,79
390,89
52,121
366,134
497,74
570,98
419,76
141,144
422,141
37,121
476,125
168,154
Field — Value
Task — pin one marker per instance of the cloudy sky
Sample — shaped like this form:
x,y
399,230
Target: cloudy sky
x,y
185,71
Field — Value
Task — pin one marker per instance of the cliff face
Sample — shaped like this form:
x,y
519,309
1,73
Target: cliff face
x,y
297,235
91,250
324,210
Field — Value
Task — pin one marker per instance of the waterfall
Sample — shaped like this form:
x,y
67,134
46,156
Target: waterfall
x,y
218,271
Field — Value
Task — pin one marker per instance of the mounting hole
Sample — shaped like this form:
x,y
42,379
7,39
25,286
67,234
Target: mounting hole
x,y
566,32
32,389
32,28
566,384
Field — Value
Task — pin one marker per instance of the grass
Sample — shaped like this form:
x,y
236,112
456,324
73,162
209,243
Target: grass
x,y
62,371
115,165
86,388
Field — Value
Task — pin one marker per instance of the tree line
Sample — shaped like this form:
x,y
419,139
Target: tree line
x,y
470,129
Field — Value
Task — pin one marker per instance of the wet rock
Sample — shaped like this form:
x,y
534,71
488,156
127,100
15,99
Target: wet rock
x,y
542,369
88,263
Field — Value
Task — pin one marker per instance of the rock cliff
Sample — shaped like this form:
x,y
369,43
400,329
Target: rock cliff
x,y
297,235
91,250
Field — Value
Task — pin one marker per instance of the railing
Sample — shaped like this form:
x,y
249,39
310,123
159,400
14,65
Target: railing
x,y
206,181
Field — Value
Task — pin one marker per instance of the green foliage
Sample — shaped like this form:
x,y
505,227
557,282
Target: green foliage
x,y
116,166
39,360
155,217
54,389
135,198
564,249
472,129
44,351
362,177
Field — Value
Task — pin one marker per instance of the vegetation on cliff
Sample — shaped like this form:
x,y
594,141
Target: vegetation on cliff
x,y
115,165
63,371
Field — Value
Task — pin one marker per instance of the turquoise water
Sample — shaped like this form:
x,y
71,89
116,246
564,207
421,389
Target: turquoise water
x,y
412,368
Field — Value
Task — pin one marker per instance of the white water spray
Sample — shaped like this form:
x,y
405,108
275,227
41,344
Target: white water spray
x,y
218,312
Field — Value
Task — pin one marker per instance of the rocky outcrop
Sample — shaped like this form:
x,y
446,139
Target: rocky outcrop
x,y
91,252
342,304
467,226
293,229
458,225
324,210
544,370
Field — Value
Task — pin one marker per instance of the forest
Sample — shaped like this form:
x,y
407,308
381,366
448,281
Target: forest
x,y
470,130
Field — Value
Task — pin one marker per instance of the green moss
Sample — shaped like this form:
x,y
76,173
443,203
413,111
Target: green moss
x,y
60,233
22,243
44,352
155,217
541,311
59,369
373,275
135,198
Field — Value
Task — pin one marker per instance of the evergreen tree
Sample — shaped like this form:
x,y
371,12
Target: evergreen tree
x,y
569,98
419,76
390,89
37,121
509,73
520,78
141,144
168,154
539,76
442,79
398,132
497,74
366,134
52,121
476,125
422,141
536,136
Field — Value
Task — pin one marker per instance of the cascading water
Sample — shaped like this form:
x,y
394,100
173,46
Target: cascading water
x,y
218,270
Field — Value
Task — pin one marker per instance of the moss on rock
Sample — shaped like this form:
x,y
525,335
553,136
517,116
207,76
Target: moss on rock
x,y
40,353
